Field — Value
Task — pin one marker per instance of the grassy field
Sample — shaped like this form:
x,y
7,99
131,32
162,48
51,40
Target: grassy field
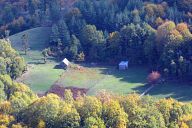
x,y
108,78
38,40
40,77
123,82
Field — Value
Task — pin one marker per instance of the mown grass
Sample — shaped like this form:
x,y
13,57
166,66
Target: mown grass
x,y
42,76
38,39
105,78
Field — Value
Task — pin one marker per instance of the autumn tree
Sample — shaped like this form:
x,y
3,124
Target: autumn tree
x,y
45,108
68,116
90,107
11,62
92,122
153,77
114,115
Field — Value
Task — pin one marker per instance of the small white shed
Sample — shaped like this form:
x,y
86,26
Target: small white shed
x,y
123,65
65,63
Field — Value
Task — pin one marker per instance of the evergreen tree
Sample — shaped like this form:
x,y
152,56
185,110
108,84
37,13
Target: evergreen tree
x,y
136,17
31,7
43,8
54,6
8,14
74,47
64,33
54,37
76,25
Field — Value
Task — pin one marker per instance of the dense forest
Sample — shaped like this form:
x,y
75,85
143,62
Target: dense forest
x,y
156,33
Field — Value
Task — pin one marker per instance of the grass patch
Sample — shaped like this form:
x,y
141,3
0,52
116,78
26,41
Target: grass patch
x,y
179,91
38,40
108,78
41,77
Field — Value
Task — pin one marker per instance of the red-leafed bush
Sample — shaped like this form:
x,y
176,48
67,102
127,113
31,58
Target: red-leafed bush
x,y
153,77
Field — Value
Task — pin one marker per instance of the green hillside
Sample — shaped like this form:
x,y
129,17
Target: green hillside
x,y
40,76
38,40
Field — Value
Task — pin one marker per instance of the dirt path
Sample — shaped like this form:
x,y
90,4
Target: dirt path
x,y
147,90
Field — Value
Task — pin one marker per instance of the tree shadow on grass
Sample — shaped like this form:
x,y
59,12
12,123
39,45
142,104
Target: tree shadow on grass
x,y
134,74
40,60
138,74
36,62
180,92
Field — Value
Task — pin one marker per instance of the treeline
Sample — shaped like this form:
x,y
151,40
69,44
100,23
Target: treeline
x,y
111,15
105,14
11,62
21,108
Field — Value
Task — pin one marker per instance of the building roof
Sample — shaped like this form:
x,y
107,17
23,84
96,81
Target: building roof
x,y
123,63
65,61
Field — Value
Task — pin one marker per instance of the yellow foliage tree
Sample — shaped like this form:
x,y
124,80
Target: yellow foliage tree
x,y
41,124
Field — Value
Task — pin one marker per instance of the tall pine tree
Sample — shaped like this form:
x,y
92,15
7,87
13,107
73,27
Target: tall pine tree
x,y
54,34
64,33
74,47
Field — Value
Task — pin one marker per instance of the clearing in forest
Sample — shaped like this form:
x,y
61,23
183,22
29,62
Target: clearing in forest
x,y
109,78
41,77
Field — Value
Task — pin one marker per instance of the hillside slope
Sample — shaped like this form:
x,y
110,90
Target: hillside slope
x,y
38,38
40,76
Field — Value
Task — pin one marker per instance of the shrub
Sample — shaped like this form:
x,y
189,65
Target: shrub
x,y
153,77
